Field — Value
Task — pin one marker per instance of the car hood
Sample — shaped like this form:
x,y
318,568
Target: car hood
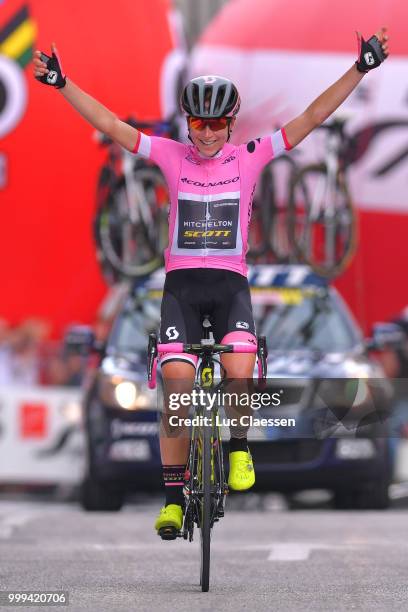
x,y
313,364
129,366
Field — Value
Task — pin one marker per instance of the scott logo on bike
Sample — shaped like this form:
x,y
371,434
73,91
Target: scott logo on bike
x,y
172,333
198,184
206,377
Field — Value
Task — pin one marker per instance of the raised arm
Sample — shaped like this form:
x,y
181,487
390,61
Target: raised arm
x,y
321,108
93,111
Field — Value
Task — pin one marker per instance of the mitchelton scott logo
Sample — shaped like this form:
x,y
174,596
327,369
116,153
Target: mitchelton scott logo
x,y
206,233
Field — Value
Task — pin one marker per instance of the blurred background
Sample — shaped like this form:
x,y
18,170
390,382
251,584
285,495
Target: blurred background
x,y
58,284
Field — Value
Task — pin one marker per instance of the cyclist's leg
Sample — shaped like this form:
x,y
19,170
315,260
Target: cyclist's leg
x,y
234,324
178,378
179,322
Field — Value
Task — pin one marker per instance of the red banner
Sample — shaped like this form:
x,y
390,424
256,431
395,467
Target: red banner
x,y
48,158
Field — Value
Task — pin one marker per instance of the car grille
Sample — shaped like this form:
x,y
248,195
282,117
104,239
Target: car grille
x,y
286,451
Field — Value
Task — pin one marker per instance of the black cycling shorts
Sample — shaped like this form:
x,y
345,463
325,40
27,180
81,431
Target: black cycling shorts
x,y
191,293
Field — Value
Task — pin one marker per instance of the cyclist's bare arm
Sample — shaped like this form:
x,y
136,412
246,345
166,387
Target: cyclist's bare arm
x,y
93,111
321,108
100,117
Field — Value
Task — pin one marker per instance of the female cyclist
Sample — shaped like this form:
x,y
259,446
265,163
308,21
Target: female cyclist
x,y
211,185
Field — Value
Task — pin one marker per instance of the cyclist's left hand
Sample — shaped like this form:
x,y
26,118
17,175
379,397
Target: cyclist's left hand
x,y
373,52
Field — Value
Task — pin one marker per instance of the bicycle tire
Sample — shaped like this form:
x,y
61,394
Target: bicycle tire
x,y
304,235
149,242
205,510
275,187
258,228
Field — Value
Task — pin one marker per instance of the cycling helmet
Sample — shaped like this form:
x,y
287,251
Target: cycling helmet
x,y
210,97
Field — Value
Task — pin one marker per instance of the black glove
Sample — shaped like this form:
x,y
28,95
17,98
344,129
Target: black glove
x,y
371,54
55,77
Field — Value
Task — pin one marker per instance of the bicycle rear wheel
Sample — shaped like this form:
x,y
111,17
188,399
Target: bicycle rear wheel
x,y
134,247
322,221
205,507
275,181
258,229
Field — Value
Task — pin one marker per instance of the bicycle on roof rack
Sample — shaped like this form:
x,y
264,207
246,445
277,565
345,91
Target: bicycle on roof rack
x,y
322,219
131,220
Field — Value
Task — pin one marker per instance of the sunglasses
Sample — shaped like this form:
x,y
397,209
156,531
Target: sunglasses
x,y
214,124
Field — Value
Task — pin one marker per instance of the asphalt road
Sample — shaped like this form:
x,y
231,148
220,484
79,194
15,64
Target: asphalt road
x,y
264,557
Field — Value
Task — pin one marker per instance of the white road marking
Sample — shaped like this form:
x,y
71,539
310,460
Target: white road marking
x,y
9,523
14,515
300,551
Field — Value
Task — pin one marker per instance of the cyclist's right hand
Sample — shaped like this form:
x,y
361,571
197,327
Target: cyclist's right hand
x,y
48,69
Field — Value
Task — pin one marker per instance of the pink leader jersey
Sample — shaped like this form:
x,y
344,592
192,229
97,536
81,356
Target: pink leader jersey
x,y
210,199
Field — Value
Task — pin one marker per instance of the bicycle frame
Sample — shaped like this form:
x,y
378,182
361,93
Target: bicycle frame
x,y
324,200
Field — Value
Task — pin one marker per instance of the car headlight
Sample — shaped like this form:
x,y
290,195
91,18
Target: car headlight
x,y
353,369
72,412
118,392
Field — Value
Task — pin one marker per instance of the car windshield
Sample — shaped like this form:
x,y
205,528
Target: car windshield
x,y
312,322
129,334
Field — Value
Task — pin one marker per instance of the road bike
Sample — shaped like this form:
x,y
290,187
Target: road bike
x,y
131,221
275,182
205,486
322,218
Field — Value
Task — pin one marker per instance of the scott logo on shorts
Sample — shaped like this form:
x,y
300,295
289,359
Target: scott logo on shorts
x,y
172,333
242,325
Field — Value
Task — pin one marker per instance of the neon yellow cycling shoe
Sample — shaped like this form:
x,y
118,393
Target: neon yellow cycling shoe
x,y
169,522
241,473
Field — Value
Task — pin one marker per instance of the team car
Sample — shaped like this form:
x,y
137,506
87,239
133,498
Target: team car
x,y
332,393
330,386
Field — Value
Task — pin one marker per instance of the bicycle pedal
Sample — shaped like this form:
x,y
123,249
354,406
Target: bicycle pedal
x,y
168,533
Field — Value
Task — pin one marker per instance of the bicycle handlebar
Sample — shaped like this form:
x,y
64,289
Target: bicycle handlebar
x,y
155,349
197,349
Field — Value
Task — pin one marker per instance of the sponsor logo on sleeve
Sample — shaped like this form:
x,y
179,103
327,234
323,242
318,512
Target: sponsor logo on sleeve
x,y
252,144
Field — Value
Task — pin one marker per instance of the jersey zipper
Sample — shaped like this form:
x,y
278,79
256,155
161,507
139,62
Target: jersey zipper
x,y
206,214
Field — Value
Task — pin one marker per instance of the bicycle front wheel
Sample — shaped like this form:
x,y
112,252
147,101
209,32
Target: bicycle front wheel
x,y
205,507
322,221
